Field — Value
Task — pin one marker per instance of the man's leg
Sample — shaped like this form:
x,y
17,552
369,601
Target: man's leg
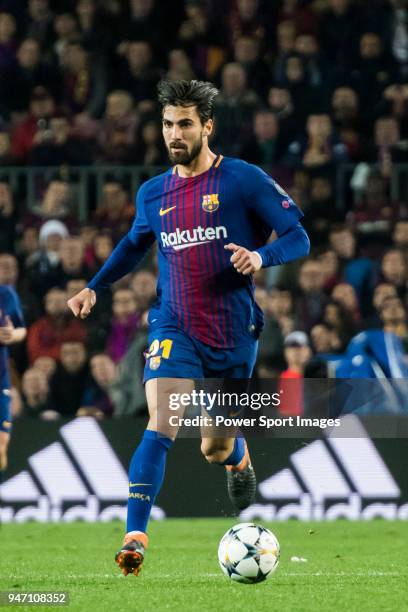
x,y
147,468
4,442
233,454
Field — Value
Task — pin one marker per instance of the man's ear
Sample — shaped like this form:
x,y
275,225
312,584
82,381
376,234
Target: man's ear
x,y
208,127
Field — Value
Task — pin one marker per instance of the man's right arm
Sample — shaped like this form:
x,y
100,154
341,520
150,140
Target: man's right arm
x,y
123,259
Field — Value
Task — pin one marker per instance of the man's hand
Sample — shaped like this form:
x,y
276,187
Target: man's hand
x,y
82,303
7,332
245,262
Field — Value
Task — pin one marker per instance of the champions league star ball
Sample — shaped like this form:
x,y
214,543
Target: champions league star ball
x,y
248,553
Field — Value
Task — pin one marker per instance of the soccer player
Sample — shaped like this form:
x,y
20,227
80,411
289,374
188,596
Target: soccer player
x,y
12,329
211,217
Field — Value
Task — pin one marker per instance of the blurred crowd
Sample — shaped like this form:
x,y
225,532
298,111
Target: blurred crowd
x,y
305,85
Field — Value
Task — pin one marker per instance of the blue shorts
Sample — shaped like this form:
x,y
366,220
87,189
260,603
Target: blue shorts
x,y
5,410
172,353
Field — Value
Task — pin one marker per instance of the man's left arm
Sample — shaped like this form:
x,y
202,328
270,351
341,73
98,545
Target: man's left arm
x,y
274,206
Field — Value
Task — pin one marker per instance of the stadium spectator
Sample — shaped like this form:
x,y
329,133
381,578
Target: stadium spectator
x,y
124,325
373,70
382,292
8,269
394,318
54,205
149,150
320,147
117,130
47,365
337,318
311,298
102,248
6,155
394,271
297,354
99,391
290,73
48,333
36,392
234,109
265,147
344,294
28,72
92,27
84,82
281,104
8,218
330,264
68,381
247,53
358,271
66,30
143,285
337,31
203,38
56,146
8,44
180,67
400,236
114,212
387,148
246,19
27,246
71,264
40,22
30,130
325,340
138,75
42,267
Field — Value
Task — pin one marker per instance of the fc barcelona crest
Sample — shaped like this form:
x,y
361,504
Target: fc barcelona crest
x,y
210,202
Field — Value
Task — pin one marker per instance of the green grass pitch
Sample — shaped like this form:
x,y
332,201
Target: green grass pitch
x,y
350,567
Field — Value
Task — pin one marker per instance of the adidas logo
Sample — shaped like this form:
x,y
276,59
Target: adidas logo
x,y
331,479
77,478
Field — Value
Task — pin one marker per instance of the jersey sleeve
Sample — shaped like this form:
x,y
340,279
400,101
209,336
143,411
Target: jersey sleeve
x,y
13,309
129,251
271,203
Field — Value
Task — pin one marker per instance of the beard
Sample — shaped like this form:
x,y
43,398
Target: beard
x,y
183,156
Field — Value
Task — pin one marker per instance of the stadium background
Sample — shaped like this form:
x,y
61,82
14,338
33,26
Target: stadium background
x,y
313,91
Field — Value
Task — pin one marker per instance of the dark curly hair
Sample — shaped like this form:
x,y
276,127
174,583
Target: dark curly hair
x,y
189,93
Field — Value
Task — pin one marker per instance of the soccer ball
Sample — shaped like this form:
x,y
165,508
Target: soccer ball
x,y
248,553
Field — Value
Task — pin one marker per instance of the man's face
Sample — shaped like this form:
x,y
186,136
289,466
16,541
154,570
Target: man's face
x,y
311,276
72,356
29,54
184,133
382,293
266,126
8,270
55,302
401,234
103,370
343,243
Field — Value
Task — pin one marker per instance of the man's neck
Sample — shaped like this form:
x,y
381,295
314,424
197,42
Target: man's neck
x,y
200,164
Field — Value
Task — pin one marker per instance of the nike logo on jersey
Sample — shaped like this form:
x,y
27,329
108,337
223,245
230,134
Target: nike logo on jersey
x,y
164,211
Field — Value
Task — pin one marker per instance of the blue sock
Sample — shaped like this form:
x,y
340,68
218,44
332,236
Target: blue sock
x,y
146,474
237,454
